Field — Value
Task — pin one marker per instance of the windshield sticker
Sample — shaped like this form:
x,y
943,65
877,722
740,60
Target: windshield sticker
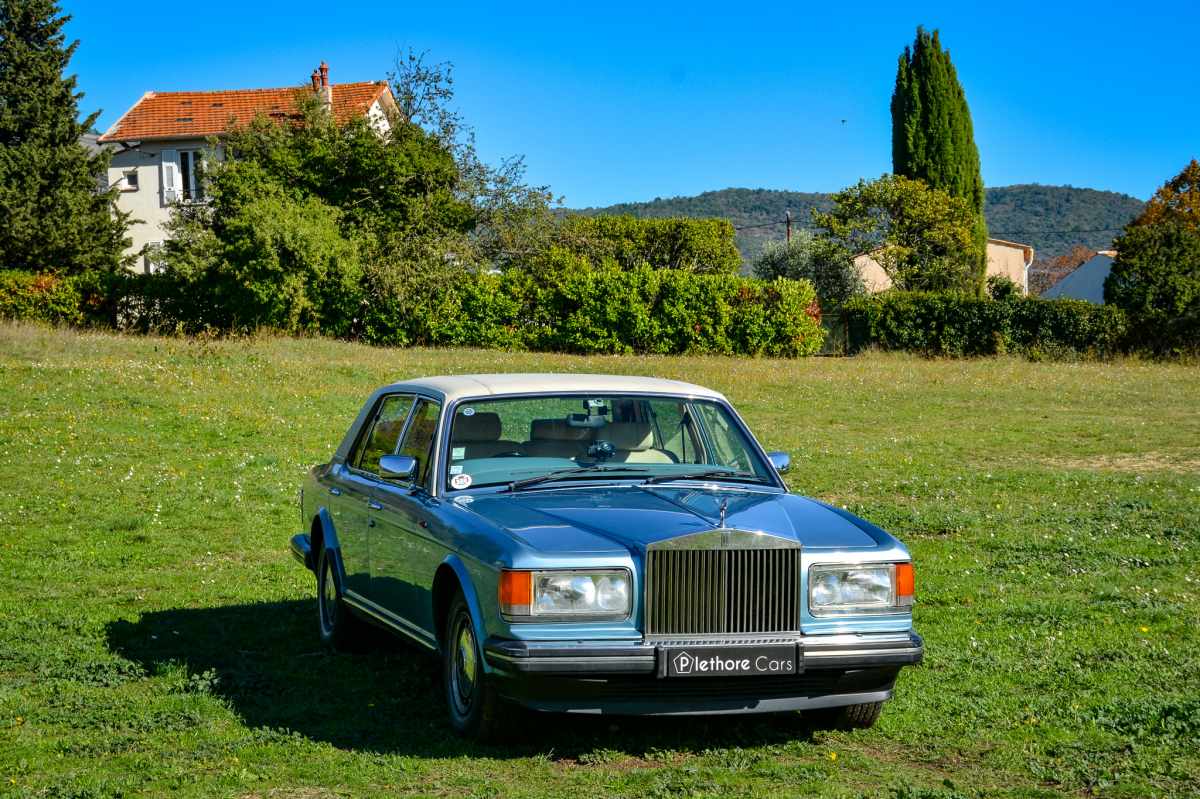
x,y
460,481
456,469
468,411
458,453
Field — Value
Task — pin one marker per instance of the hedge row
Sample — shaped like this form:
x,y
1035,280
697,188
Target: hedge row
x,y
958,325
641,310
40,297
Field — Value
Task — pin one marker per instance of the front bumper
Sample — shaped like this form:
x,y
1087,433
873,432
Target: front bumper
x,y
301,548
629,679
847,651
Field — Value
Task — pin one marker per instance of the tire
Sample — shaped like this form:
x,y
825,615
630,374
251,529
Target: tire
x,y
850,717
474,706
339,627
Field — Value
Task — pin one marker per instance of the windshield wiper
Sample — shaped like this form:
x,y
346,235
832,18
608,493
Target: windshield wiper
x,y
557,474
710,474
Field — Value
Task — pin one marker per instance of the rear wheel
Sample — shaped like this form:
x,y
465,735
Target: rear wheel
x,y
339,627
471,699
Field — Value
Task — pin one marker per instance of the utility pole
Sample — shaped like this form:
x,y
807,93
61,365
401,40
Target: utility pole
x,y
789,226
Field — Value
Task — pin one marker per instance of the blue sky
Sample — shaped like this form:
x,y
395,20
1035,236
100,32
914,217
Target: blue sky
x,y
612,103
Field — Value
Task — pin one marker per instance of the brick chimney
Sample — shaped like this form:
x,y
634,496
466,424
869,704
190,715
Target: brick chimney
x,y
326,87
316,81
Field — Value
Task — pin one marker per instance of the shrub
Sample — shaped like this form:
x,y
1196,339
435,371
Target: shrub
x,y
691,245
830,268
605,309
966,325
40,297
277,262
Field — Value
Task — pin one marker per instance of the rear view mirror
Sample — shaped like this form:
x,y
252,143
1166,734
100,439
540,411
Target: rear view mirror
x,y
397,467
780,460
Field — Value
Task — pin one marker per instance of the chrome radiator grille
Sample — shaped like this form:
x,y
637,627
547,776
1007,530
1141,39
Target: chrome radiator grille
x,y
722,591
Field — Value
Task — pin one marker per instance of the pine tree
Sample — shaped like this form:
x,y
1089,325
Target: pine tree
x,y
53,217
932,136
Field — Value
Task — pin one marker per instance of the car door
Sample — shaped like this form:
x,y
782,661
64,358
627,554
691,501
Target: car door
x,y
353,484
404,557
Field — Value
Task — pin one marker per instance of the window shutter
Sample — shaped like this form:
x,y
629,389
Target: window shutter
x,y
170,176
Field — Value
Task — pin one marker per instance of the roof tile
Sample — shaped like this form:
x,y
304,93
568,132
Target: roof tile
x,y
200,114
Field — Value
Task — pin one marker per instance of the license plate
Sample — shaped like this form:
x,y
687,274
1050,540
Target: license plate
x,y
731,661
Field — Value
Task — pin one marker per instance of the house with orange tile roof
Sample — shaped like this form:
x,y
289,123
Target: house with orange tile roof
x,y
159,142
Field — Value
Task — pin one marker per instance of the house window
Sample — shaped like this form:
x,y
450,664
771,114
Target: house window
x,y
191,168
130,180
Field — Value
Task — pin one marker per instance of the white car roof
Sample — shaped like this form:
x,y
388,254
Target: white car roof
x,y
454,387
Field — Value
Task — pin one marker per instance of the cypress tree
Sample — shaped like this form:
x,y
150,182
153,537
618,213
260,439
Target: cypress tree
x,y
53,215
932,136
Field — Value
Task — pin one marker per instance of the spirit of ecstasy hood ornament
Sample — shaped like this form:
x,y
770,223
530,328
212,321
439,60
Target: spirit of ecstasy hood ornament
x,y
724,507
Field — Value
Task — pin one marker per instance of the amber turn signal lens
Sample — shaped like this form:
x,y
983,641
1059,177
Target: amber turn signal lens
x,y
516,592
905,583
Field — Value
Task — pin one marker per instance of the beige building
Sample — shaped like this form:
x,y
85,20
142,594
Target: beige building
x,y
158,143
1005,258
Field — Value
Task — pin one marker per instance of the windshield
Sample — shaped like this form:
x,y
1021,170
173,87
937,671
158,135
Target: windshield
x,y
514,440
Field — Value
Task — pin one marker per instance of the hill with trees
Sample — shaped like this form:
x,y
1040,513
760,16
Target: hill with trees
x,y
1051,218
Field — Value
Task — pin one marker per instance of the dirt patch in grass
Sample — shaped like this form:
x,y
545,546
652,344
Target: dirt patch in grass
x,y
1139,463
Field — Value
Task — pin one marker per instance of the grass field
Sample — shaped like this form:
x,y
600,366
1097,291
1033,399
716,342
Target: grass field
x,y
156,639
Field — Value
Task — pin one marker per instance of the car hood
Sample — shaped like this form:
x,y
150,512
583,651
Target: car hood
x,y
612,518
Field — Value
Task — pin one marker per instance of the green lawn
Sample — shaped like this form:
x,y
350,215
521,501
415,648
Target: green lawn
x,y
157,639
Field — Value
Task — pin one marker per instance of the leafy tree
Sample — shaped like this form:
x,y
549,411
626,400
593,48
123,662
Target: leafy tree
x,y
829,267
920,236
512,219
1177,200
55,216
1156,275
932,135
296,210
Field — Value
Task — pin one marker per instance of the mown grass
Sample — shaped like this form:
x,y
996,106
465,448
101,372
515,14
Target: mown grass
x,y
155,637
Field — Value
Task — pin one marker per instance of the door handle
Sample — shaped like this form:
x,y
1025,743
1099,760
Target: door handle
x,y
373,505
337,492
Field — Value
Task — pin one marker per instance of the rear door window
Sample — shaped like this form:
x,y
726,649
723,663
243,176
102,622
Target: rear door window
x,y
418,441
384,433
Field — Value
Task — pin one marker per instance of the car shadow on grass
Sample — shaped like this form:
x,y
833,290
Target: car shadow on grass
x,y
266,661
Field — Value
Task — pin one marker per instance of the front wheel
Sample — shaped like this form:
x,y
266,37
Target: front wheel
x,y
471,699
850,717
340,628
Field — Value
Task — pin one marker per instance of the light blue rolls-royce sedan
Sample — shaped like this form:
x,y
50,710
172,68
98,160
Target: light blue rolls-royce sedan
x,y
601,544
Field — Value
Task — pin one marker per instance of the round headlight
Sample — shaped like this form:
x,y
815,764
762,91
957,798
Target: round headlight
x,y
582,592
612,593
826,590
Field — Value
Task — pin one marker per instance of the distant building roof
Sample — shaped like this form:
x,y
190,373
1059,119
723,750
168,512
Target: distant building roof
x,y
190,115
1086,282
92,142
1028,249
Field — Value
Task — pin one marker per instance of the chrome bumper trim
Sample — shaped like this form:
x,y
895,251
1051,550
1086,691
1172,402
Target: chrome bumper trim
x,y
598,657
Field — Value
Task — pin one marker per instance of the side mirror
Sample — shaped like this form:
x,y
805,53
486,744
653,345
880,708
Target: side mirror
x,y
780,460
397,467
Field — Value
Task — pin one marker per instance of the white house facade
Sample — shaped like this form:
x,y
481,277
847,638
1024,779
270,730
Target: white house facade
x,y
158,144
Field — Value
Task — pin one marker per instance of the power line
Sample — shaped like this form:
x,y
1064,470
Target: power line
x,y
990,232
1040,232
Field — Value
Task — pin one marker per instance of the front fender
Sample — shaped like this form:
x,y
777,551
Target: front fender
x,y
471,595
329,540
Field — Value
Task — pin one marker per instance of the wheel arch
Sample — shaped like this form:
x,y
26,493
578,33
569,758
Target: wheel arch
x,y
322,535
452,575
